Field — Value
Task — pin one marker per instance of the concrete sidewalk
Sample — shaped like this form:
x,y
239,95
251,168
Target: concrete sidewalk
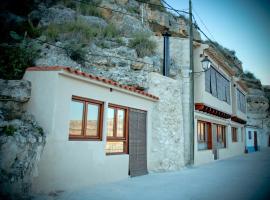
x,y
242,177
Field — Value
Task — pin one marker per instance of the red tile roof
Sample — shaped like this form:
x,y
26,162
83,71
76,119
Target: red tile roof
x,y
90,76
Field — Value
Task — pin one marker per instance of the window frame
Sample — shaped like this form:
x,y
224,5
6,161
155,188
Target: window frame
x,y
234,132
115,138
216,78
249,135
223,135
83,136
241,101
203,139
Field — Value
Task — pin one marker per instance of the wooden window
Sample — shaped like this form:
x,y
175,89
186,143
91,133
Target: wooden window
x,y
117,130
221,136
85,119
204,135
217,85
241,101
249,135
234,134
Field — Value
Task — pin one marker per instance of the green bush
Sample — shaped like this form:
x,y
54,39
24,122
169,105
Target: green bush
x,y
15,58
84,7
249,75
109,31
142,44
40,130
9,130
78,30
79,34
76,51
90,9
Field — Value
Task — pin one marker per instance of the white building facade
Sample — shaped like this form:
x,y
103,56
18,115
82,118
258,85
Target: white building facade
x,y
97,130
220,109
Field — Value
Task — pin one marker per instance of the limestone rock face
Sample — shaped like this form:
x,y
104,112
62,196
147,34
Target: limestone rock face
x,y
15,90
12,94
53,56
258,114
21,140
57,14
21,144
257,102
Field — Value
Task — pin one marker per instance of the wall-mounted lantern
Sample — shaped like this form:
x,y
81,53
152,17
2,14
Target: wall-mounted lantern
x,y
206,63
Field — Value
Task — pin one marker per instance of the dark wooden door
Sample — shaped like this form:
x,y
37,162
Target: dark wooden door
x,y
255,141
137,143
214,141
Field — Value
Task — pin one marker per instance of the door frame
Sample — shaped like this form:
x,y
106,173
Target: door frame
x,y
255,141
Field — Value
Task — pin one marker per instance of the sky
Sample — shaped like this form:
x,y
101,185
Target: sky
x,y
240,25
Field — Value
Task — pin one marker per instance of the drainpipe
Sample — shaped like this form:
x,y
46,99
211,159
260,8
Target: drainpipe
x,y
166,53
191,161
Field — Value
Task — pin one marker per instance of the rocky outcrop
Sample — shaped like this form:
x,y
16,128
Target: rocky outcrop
x,y
258,104
12,96
21,140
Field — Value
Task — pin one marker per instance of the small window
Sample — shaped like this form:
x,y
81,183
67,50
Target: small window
x,y
85,119
249,135
221,136
116,130
242,134
234,134
204,135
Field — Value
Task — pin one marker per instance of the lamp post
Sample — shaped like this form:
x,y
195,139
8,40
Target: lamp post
x,y
191,138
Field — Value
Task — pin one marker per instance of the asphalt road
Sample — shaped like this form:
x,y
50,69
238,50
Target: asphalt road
x,y
243,177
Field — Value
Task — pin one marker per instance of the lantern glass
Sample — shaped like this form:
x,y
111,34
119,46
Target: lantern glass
x,y
206,63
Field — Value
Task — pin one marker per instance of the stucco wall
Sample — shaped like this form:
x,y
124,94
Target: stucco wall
x,y
74,164
200,94
250,142
167,146
232,148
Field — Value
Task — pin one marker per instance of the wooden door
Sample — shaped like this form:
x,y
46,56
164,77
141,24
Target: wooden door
x,y
137,143
255,141
214,141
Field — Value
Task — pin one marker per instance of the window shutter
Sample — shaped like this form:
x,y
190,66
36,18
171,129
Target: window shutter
x,y
207,80
213,82
228,94
219,86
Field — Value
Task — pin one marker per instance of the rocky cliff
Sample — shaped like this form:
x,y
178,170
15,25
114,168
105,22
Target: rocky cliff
x,y
258,103
21,140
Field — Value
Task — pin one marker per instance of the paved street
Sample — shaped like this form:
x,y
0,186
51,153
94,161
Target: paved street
x,y
241,177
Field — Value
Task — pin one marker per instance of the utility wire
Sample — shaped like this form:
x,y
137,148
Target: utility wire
x,y
121,12
204,24
93,54
173,9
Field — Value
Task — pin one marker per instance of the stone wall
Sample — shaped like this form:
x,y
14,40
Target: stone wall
x,y
167,142
21,140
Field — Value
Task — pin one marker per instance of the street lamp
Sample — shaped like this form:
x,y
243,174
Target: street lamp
x,y
205,63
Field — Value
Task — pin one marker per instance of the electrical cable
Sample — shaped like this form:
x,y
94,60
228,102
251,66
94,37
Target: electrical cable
x,y
203,24
121,12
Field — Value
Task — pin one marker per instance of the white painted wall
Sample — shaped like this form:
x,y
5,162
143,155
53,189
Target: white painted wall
x,y
68,164
261,139
200,94
232,148
236,111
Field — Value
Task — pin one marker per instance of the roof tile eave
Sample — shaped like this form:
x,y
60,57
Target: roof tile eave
x,y
92,77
